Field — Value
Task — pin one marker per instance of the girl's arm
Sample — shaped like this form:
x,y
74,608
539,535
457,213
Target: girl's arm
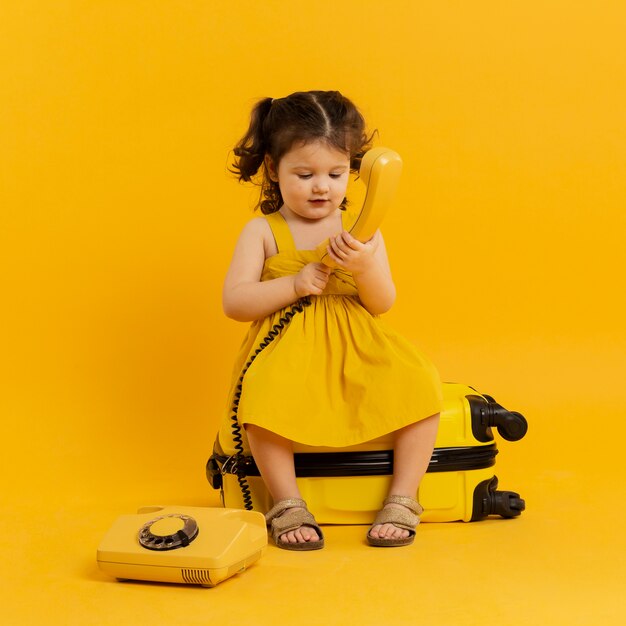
x,y
370,269
245,297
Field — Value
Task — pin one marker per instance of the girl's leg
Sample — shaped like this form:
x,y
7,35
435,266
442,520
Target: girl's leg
x,y
273,455
413,447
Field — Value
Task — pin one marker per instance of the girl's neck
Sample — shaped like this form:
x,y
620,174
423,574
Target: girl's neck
x,y
308,234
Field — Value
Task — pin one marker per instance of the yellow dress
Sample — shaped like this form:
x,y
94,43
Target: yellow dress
x,y
334,375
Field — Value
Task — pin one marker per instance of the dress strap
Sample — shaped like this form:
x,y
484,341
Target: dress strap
x,y
281,232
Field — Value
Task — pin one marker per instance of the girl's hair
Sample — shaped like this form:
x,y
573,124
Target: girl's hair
x,y
305,116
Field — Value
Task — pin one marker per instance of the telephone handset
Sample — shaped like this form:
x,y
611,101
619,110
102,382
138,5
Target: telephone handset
x,y
380,172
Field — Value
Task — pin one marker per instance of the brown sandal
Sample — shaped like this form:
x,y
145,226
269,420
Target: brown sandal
x,y
407,520
284,517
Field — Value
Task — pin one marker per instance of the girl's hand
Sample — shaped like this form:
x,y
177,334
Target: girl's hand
x,y
311,279
351,254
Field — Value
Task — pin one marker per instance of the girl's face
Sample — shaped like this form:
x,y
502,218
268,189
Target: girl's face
x,y
313,178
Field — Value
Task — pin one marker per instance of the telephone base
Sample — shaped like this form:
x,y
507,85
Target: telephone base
x,y
225,543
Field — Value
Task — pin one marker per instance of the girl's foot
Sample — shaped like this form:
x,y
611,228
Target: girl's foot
x,y
396,522
293,527
300,535
389,531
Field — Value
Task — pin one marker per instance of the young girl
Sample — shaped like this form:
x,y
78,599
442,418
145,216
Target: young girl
x,y
335,375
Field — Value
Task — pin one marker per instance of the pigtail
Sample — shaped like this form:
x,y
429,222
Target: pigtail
x,y
251,149
250,154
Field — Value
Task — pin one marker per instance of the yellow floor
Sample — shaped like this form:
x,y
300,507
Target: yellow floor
x,y
561,562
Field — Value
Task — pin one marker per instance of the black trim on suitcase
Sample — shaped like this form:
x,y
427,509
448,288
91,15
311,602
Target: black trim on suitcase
x,y
362,463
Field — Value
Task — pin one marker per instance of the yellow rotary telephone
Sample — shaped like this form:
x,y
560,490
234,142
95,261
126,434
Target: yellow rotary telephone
x,y
193,545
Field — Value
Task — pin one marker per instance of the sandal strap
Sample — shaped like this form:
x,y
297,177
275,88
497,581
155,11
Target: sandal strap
x,y
410,503
284,519
283,505
408,520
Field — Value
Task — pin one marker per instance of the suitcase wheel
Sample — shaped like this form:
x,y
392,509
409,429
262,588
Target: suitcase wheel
x,y
489,501
511,425
507,503
486,412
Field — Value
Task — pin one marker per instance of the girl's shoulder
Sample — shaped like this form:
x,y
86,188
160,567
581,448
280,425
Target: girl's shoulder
x,y
257,224
258,228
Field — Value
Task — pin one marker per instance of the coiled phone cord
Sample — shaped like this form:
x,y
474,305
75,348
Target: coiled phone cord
x,y
239,460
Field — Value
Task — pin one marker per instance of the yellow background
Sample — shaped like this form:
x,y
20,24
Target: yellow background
x,y
117,221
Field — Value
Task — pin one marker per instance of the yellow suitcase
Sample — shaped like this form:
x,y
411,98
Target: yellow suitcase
x,y
348,485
